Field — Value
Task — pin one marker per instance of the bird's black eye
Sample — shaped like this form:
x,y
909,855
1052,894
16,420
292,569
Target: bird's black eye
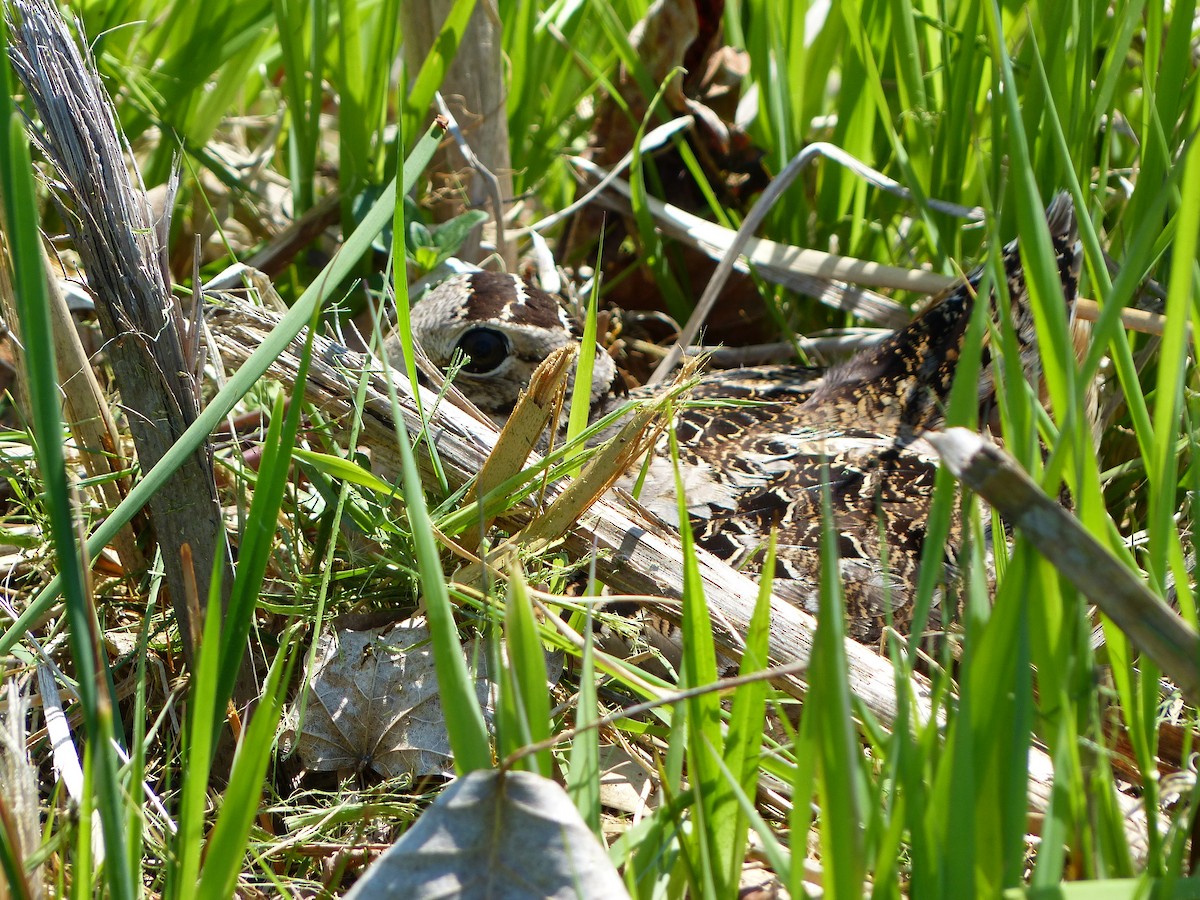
x,y
484,348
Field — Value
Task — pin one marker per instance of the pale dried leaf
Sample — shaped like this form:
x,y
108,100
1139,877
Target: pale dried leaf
x,y
19,781
504,836
373,701
625,783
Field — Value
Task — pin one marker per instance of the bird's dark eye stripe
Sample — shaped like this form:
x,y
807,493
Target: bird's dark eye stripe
x,y
484,348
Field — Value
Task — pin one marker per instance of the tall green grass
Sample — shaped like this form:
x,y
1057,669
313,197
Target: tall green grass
x,y
993,104
93,680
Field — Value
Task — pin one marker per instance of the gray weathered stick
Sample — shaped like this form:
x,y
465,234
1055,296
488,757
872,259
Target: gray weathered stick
x,y
1152,626
110,224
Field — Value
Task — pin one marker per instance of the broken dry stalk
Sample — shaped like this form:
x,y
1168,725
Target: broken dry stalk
x,y
615,458
521,432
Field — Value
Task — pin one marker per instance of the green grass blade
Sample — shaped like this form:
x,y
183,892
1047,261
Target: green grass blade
x,y
465,725
581,391
433,70
354,122
464,719
258,534
11,862
342,469
653,248
181,67
703,713
86,882
1038,260
527,664
137,748
546,85
200,741
1173,359
743,745
583,773
829,707
302,35
29,275
776,852
225,852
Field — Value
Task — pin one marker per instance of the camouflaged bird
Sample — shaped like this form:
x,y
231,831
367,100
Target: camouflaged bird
x,y
500,329
751,467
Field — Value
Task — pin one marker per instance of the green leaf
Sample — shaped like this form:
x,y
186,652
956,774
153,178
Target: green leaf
x,y
449,236
418,236
344,469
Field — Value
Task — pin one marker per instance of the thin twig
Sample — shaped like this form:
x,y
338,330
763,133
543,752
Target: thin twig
x,y
724,684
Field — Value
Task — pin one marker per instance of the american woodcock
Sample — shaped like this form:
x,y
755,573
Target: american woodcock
x,y
752,467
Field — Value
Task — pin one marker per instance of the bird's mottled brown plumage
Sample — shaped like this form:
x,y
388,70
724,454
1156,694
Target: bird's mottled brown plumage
x,y
751,467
